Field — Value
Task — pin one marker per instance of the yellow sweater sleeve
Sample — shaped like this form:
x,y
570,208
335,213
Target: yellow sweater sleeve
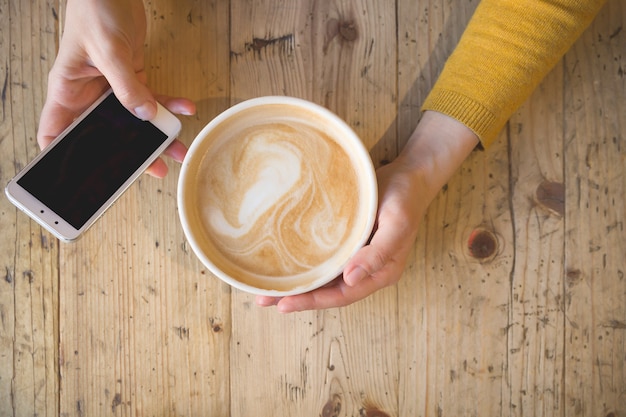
x,y
506,50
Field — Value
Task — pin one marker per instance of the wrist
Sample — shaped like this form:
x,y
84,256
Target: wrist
x,y
436,149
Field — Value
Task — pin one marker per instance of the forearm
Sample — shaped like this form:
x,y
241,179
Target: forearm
x,y
507,49
435,151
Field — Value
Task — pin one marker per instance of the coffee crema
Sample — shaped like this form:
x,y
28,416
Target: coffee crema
x,y
277,199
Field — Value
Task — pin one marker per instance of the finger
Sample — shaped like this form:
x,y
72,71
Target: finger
x,y
177,105
388,240
127,86
339,295
267,301
157,169
65,101
177,151
54,119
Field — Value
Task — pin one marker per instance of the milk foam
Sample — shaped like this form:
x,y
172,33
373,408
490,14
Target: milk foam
x,y
277,199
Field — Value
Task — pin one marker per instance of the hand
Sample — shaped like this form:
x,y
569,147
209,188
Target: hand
x,y
407,186
103,45
381,262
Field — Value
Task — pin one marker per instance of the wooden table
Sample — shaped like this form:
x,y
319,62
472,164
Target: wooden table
x,y
529,320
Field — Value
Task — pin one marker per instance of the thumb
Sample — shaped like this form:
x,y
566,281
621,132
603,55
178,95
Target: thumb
x,y
387,248
366,262
128,87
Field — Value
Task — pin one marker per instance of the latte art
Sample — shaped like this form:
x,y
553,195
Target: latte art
x,y
276,194
277,199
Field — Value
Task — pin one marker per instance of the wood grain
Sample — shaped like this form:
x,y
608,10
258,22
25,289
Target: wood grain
x,y
453,306
595,244
335,54
29,320
536,331
513,301
147,330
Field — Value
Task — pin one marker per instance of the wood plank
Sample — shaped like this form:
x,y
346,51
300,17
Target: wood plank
x,y
595,237
338,54
453,308
144,331
536,330
127,322
428,32
339,361
28,255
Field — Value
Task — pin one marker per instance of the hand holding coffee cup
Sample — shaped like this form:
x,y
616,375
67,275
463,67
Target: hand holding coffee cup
x,y
276,194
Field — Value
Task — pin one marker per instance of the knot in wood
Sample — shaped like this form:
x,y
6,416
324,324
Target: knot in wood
x,y
551,196
347,30
482,244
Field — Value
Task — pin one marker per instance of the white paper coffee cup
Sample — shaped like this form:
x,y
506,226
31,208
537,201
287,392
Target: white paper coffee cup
x,y
276,194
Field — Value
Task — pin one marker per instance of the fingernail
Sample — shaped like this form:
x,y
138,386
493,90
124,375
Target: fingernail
x,y
284,309
188,112
355,276
266,301
146,111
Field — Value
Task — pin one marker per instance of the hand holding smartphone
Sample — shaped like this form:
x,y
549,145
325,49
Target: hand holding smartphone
x,y
73,181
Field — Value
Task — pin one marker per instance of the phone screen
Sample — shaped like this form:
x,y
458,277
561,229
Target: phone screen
x,y
85,169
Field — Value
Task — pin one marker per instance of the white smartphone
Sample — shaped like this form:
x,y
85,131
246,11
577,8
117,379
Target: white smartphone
x,y
72,182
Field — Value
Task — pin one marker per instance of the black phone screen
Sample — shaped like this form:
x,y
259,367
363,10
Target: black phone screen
x,y
87,167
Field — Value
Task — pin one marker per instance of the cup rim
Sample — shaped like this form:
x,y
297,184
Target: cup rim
x,y
361,154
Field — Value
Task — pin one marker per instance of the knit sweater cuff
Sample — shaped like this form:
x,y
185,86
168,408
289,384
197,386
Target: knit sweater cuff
x,y
467,111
